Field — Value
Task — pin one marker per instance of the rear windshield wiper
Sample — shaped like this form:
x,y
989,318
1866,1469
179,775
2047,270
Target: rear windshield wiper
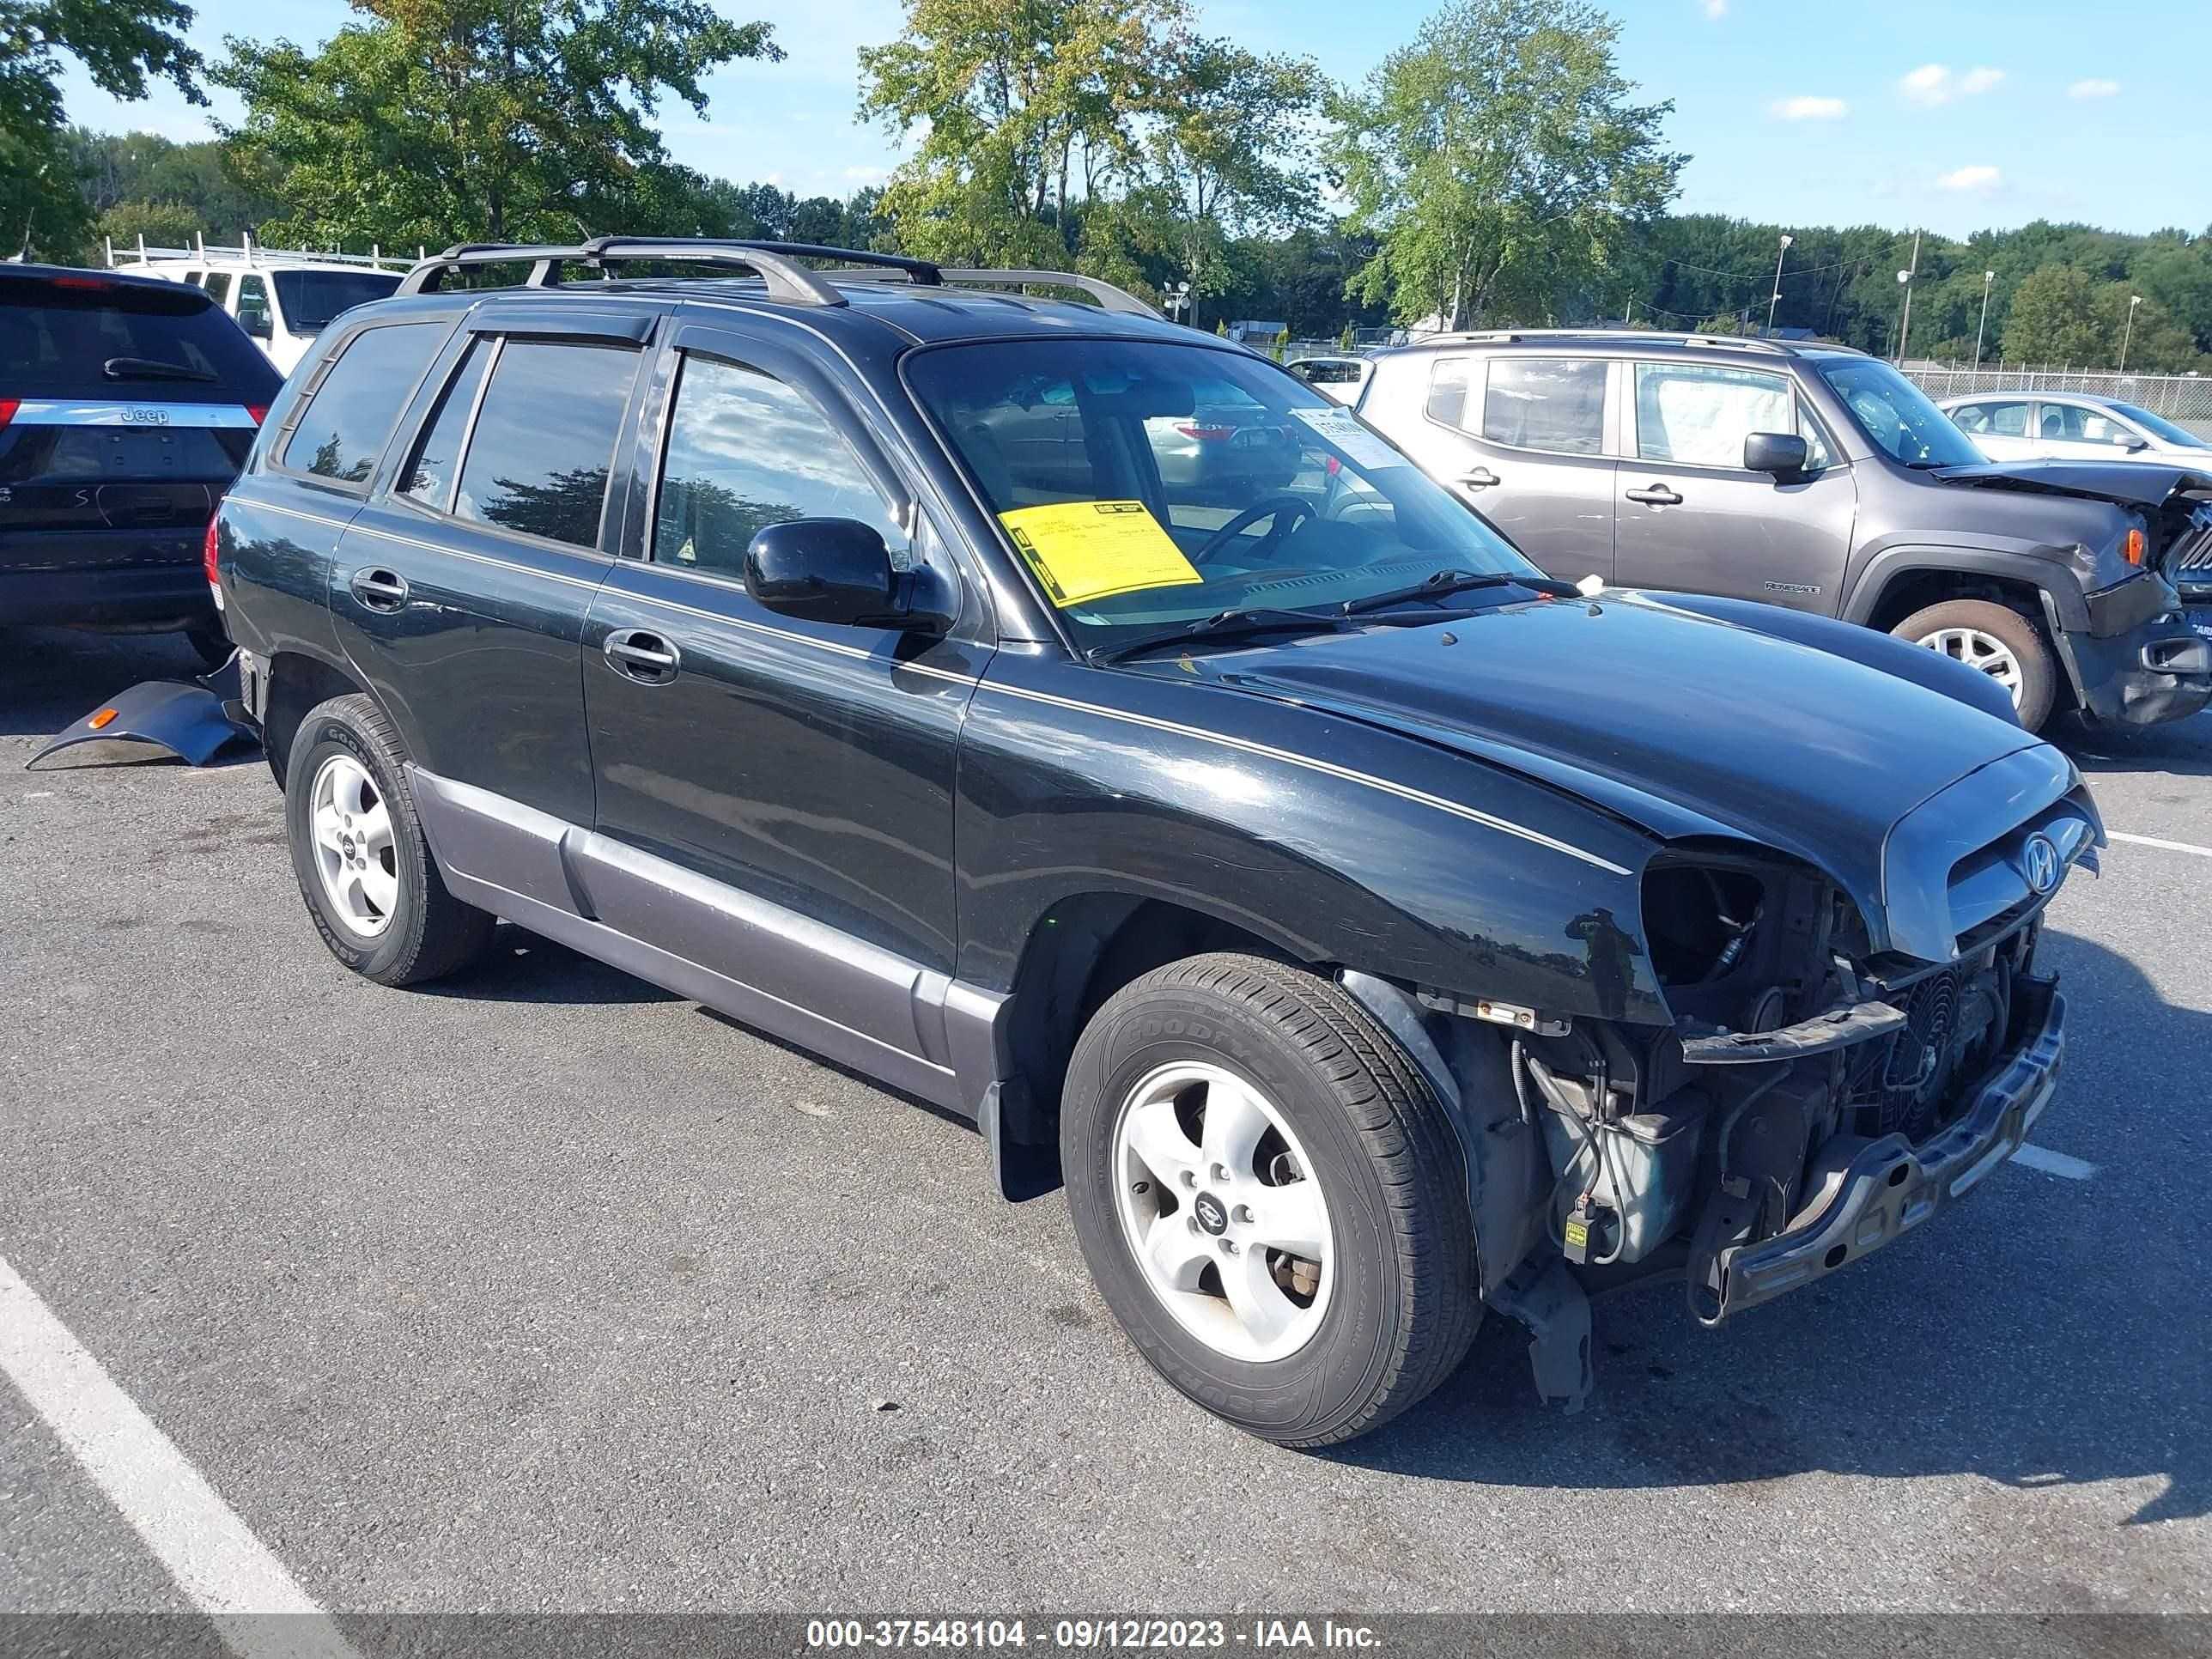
x,y
151,368
1224,625
1440,583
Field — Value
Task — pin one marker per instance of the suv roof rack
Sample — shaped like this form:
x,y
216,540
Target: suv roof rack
x,y
772,262
247,253
1644,336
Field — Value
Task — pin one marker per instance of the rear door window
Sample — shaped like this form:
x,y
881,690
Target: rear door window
x,y
313,299
1554,403
544,438
357,400
1994,420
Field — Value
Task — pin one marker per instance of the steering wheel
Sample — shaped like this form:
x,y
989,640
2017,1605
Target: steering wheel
x,y
1284,510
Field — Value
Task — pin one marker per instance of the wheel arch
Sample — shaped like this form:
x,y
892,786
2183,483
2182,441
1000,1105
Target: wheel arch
x,y
298,682
1082,949
1900,581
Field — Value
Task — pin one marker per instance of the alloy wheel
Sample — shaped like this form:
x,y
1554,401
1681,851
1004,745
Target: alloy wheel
x,y
354,851
1223,1211
1979,650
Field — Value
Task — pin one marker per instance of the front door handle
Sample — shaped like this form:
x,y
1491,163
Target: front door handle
x,y
1480,478
645,657
1656,496
379,589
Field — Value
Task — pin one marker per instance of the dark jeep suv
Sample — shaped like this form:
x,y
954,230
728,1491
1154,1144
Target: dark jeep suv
x,y
127,404
1820,478
1367,928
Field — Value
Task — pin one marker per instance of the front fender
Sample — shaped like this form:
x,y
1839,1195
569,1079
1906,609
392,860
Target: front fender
x,y
2045,569
1339,843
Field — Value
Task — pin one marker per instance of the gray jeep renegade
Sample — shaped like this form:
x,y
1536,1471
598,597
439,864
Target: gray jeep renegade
x,y
1818,478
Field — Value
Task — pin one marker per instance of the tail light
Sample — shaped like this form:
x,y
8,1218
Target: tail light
x,y
1208,435
7,408
258,411
211,551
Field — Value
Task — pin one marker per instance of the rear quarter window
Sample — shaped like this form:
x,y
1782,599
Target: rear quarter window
x,y
91,340
356,402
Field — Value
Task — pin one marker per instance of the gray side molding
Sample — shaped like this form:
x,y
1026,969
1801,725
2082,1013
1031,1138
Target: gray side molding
x,y
790,974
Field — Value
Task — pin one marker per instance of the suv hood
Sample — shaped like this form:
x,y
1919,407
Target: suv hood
x,y
2143,484
1681,724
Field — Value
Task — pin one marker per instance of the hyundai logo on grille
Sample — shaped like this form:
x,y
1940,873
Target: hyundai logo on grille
x,y
2039,861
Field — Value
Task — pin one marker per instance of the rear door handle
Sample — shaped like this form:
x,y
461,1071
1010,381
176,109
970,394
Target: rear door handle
x,y
379,589
1656,496
1480,478
639,655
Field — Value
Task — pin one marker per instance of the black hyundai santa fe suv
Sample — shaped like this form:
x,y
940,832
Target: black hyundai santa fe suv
x,y
1367,929
127,404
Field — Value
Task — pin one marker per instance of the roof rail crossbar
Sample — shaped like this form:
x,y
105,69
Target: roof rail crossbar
x,y
793,283
1109,297
923,271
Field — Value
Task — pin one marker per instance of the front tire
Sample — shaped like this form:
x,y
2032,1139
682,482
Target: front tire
x,y
358,851
1269,1198
2002,643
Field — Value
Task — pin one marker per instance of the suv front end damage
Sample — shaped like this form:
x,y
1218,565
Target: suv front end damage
x,y
1822,1089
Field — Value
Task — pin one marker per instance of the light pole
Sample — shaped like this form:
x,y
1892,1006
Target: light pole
x,y
1988,277
1178,298
1777,300
2128,333
1905,281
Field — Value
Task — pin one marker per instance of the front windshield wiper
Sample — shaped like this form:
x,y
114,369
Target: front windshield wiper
x,y
151,368
1224,625
1439,583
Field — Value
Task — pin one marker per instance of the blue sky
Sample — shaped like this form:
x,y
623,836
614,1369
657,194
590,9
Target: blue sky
x,y
1947,113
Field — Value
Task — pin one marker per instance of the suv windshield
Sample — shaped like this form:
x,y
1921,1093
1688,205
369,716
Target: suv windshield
x,y
1152,484
1896,414
313,299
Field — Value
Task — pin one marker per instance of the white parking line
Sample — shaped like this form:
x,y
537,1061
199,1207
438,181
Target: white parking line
x,y
2153,841
2050,1162
207,1549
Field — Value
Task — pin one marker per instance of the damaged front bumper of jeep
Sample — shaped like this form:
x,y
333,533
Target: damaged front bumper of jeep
x,y
1863,1193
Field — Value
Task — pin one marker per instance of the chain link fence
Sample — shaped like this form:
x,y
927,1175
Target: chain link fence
x,y
2186,397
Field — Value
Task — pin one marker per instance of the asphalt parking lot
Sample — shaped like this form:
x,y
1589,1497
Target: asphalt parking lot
x,y
543,1290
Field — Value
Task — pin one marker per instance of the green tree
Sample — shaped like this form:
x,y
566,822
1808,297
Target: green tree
x,y
1229,154
1499,161
440,121
1031,113
124,45
163,224
145,167
2054,319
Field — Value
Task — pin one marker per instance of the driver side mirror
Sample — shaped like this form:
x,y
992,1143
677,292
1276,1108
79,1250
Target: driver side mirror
x,y
838,570
1781,454
2135,446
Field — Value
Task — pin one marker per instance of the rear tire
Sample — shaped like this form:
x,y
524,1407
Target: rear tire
x,y
358,851
2001,642
1175,1207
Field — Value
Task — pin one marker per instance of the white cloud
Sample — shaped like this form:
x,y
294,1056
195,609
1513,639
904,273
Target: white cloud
x,y
1980,180
1716,9
2095,87
1932,84
1809,109
865,175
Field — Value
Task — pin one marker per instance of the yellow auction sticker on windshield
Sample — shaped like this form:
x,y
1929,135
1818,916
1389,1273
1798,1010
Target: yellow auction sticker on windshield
x,y
1093,550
